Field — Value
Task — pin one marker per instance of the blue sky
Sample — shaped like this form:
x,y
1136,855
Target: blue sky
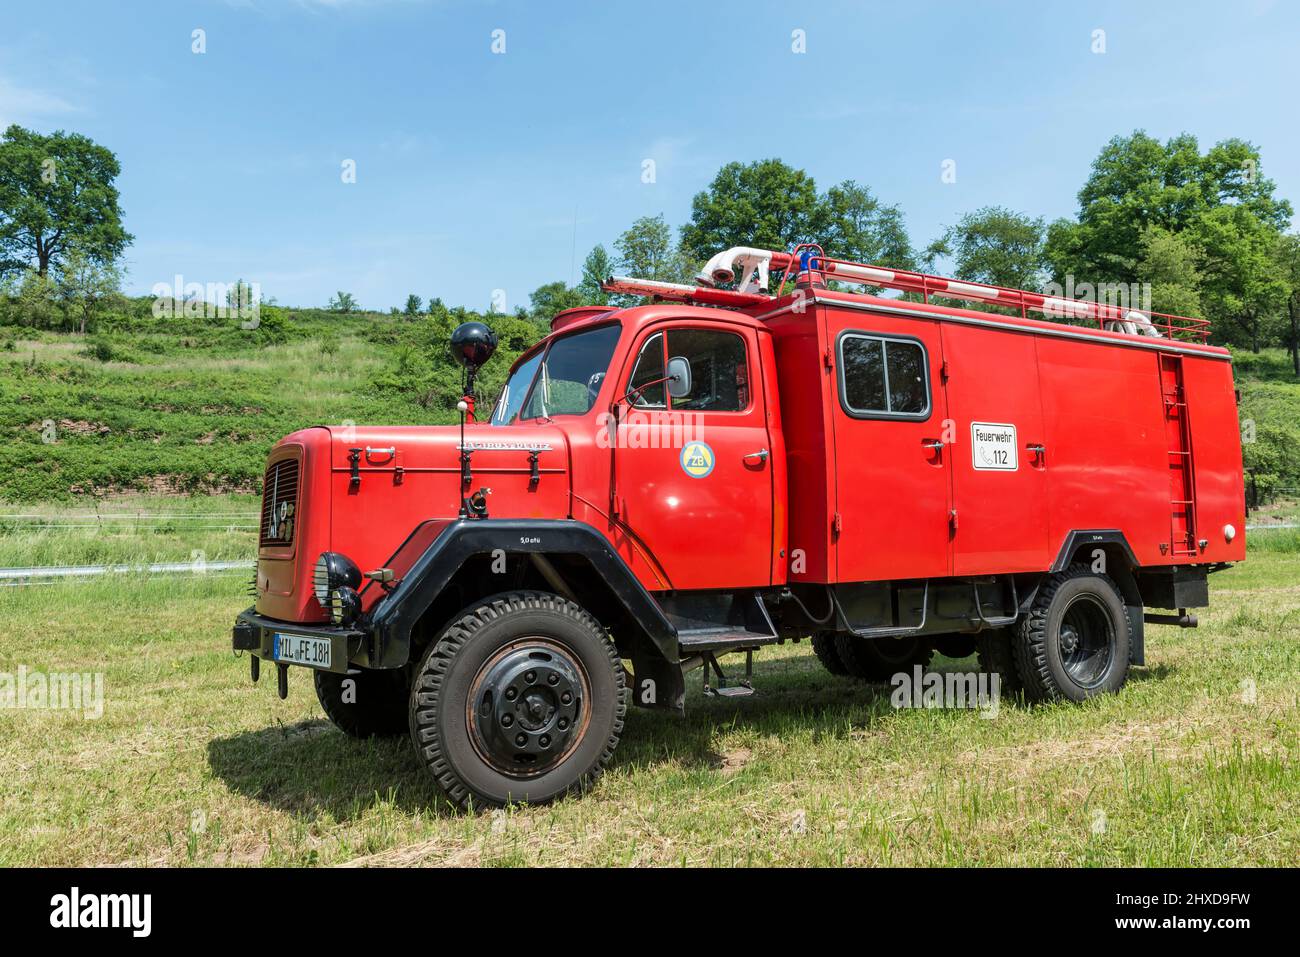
x,y
478,171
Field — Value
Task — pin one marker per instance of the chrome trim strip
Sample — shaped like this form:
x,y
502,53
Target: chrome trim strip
x,y
1164,345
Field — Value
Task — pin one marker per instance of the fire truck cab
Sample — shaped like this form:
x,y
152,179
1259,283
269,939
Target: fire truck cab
x,y
725,468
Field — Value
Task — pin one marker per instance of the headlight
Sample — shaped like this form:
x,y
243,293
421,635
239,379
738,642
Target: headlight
x,y
344,606
334,571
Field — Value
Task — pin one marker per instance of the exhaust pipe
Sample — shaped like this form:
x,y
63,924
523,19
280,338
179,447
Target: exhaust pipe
x,y
1183,619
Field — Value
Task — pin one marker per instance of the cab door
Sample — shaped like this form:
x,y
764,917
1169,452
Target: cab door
x,y
693,472
892,517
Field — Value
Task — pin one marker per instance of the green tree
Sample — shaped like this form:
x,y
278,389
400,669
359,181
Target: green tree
x,y
413,305
1137,181
857,226
342,302
552,298
57,192
646,251
1170,263
37,301
1243,289
994,245
1288,261
765,204
596,268
85,286
240,297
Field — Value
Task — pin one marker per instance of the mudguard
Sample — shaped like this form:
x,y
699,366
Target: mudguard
x,y
394,616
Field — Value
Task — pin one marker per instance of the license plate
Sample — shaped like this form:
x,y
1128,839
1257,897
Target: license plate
x,y
303,650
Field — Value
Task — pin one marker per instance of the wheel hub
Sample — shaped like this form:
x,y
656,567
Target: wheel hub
x,y
526,708
1069,639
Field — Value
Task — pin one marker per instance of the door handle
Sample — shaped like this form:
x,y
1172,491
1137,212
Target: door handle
x,y
761,455
932,444
1037,448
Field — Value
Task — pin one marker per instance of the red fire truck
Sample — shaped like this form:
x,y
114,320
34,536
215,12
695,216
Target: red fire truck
x,y
739,463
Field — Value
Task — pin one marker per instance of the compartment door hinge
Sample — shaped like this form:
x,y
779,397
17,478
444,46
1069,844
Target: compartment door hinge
x,y
837,525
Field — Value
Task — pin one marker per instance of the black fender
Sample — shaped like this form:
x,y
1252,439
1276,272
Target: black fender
x,y
394,616
1092,536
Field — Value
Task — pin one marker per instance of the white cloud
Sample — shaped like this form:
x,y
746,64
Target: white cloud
x,y
23,104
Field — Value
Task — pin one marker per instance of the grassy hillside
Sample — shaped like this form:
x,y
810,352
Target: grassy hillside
x,y
193,405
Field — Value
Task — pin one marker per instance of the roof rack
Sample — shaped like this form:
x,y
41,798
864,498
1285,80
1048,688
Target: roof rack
x,y
811,267
813,264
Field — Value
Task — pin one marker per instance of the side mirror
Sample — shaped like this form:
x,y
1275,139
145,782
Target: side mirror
x,y
679,377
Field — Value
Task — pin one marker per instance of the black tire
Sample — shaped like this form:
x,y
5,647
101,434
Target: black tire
x,y
1076,641
994,647
374,704
879,659
492,669
824,645
956,645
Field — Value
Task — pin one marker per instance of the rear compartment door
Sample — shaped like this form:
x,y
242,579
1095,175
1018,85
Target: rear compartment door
x,y
891,517
999,455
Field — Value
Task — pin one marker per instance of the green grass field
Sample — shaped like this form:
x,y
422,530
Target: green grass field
x,y
1194,763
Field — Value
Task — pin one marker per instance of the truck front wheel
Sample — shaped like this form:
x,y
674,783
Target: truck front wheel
x,y
522,699
823,644
1075,642
364,703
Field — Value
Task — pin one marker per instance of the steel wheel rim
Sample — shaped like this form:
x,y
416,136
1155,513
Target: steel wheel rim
x,y
528,707
1086,639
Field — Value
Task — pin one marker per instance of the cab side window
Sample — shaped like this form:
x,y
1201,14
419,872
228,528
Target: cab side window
x,y
648,374
883,377
719,369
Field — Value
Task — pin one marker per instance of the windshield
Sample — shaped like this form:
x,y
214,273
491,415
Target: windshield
x,y
562,380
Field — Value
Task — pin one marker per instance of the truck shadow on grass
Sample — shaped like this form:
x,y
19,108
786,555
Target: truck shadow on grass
x,y
310,768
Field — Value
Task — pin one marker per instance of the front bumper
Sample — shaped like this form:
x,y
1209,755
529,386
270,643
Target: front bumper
x,y
256,633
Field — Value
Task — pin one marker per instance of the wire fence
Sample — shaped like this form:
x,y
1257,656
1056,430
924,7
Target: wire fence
x,y
49,574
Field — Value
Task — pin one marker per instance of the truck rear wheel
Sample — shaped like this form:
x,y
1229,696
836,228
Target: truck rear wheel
x,y
879,659
365,704
995,650
1076,640
522,699
955,645
824,646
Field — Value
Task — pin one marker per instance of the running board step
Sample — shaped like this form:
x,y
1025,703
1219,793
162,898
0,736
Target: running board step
x,y
718,621
741,689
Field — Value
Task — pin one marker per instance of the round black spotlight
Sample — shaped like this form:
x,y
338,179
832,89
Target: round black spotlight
x,y
344,605
333,571
472,344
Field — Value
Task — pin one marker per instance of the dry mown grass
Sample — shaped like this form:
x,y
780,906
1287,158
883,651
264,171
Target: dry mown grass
x,y
1194,763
